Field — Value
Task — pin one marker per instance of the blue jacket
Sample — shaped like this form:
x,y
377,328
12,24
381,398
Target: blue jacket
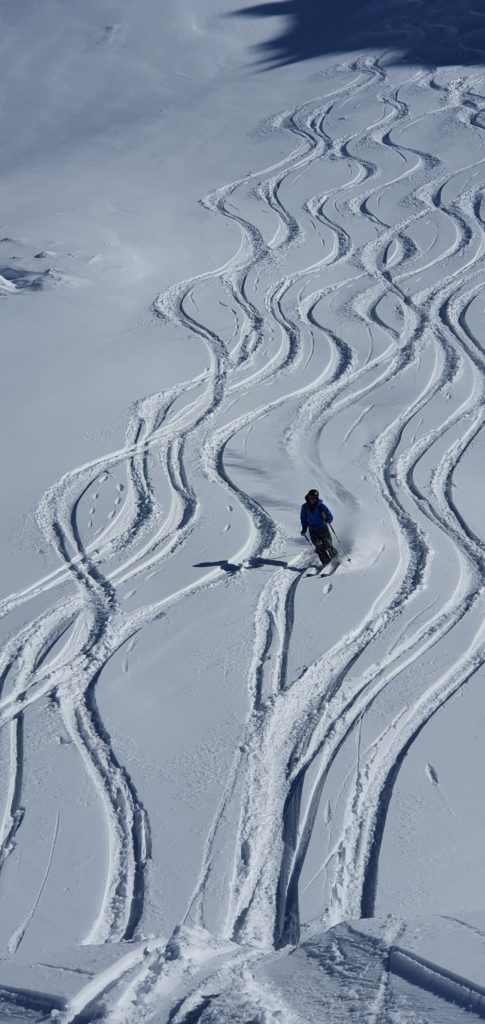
x,y
314,516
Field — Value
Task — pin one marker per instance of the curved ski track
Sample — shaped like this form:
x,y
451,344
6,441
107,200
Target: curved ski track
x,y
287,311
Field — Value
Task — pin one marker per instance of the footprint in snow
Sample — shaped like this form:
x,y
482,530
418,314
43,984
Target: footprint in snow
x,y
432,774
92,511
129,649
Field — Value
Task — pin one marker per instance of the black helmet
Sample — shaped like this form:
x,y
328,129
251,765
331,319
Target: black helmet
x,y
312,493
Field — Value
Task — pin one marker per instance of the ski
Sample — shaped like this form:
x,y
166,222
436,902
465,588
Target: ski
x,y
324,572
331,572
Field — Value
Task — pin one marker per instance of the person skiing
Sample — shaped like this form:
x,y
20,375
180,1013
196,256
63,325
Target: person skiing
x,y
315,517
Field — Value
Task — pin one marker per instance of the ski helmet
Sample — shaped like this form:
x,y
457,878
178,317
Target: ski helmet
x,y
312,493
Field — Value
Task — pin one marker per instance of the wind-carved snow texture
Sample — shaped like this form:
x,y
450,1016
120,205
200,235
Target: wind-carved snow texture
x,y
335,268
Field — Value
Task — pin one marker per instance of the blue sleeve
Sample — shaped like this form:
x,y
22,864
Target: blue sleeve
x,y
326,511
303,517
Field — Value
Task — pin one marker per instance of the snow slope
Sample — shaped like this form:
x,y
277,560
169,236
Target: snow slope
x,y
242,254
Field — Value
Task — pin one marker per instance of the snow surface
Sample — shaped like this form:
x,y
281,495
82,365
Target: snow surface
x,y
241,254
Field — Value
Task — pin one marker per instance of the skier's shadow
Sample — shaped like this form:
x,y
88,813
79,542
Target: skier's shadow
x,y
249,563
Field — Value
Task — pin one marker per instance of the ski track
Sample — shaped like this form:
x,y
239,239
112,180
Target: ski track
x,y
293,724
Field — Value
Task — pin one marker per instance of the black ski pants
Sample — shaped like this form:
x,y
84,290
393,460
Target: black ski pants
x,y
320,536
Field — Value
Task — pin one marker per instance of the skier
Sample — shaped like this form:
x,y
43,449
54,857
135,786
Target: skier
x,y
315,516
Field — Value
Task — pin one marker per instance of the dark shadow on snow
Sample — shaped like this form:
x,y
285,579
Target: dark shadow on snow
x,y
433,33
250,563
229,567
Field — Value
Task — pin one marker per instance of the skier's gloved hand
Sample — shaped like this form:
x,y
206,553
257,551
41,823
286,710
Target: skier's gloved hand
x,y
303,532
